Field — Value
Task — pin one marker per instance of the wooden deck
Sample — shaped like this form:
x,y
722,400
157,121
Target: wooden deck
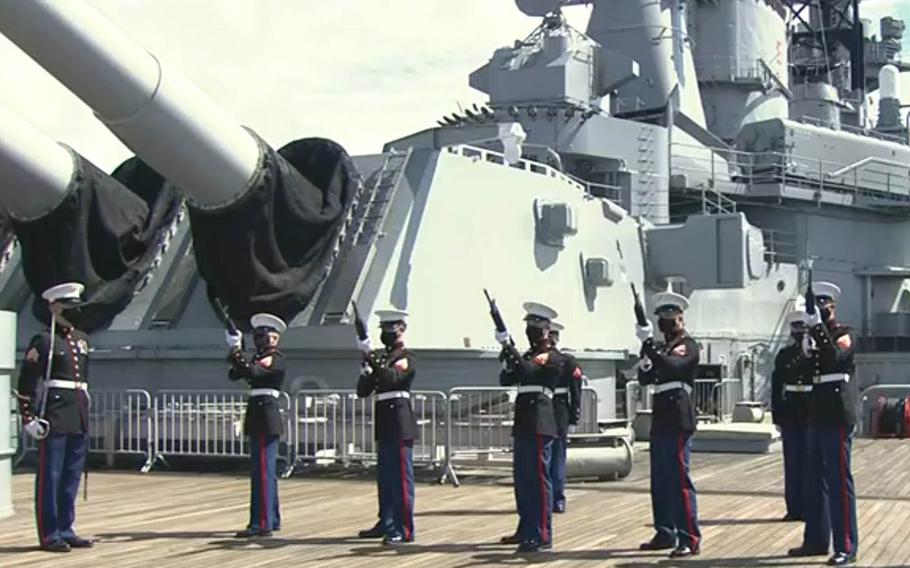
x,y
180,519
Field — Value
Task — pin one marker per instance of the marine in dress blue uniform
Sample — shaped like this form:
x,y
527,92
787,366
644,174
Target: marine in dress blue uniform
x,y
670,369
567,406
54,403
791,390
388,373
536,373
264,374
831,498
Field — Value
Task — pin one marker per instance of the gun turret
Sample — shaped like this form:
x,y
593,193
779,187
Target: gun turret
x,y
240,189
76,223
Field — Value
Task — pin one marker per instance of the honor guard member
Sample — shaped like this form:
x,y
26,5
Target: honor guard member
x,y
54,403
537,374
791,387
670,369
389,373
567,406
832,417
264,374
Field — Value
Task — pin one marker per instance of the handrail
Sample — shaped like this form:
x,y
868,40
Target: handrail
x,y
863,162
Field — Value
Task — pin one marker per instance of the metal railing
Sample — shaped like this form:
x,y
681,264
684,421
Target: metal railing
x,y
119,423
714,400
336,426
209,424
869,396
874,178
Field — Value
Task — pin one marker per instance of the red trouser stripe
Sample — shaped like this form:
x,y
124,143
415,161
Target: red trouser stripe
x,y
403,469
544,504
263,487
686,494
845,497
39,506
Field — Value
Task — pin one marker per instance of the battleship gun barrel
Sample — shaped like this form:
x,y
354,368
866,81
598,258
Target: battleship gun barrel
x,y
31,161
162,117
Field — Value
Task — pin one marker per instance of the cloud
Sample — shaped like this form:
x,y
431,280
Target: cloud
x,y
361,72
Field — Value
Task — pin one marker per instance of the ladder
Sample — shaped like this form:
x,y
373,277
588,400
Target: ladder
x,y
358,245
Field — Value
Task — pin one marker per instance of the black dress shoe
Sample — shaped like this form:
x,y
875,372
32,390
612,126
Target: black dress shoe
x,y
511,539
559,507
656,544
801,551
683,551
58,545
265,533
375,532
842,559
789,518
246,533
395,540
533,546
79,542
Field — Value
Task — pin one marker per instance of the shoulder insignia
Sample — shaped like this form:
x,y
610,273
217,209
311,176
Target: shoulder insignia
x,y
32,355
844,341
541,359
576,374
401,364
680,350
265,361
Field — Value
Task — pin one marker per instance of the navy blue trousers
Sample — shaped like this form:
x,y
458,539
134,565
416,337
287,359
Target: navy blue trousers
x,y
61,461
817,531
795,443
831,448
533,487
264,514
673,496
395,469
558,467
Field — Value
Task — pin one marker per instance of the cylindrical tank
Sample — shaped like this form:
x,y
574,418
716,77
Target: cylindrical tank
x,y
7,452
654,34
889,82
34,170
817,102
738,45
164,118
600,457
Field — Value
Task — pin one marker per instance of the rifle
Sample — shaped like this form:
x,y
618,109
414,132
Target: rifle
x,y
359,325
497,317
640,316
810,295
226,318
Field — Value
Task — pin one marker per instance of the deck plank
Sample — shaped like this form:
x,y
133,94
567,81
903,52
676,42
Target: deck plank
x,y
186,519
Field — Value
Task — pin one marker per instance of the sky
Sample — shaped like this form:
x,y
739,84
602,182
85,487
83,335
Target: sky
x,y
360,72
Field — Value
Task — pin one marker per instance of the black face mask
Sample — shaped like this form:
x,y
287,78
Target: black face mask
x,y
825,313
261,340
534,334
797,335
666,325
388,338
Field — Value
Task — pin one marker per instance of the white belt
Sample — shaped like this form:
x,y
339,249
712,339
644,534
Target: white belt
x,y
664,387
392,394
831,378
71,385
561,390
275,393
798,388
522,389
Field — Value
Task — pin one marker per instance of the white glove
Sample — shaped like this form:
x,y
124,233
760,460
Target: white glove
x,y
645,364
809,345
238,428
502,337
814,319
35,429
365,345
233,340
644,332
572,428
